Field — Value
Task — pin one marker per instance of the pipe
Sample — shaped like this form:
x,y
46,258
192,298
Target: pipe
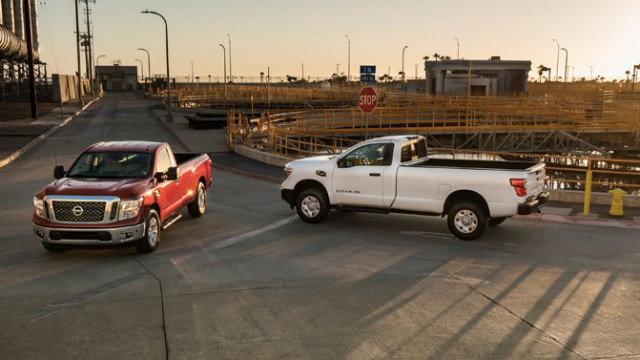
x,y
18,19
13,47
35,33
7,14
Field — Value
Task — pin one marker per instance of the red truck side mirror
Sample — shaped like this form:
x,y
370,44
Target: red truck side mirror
x,y
58,172
169,175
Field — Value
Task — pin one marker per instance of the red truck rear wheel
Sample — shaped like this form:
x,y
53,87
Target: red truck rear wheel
x,y
199,205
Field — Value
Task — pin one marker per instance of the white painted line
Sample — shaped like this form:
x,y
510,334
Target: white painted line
x,y
236,239
427,233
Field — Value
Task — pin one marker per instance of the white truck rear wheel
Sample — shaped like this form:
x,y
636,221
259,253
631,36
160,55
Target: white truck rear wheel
x,y
466,221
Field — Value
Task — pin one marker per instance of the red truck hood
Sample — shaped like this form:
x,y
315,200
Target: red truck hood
x,y
122,188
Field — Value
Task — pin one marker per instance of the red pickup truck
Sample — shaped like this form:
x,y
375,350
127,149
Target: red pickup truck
x,y
120,193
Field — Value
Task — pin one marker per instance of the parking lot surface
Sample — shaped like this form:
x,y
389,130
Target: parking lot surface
x,y
250,280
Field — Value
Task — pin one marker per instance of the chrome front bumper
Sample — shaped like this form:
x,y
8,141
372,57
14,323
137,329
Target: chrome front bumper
x,y
91,237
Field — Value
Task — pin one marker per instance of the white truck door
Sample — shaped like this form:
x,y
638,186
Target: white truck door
x,y
359,176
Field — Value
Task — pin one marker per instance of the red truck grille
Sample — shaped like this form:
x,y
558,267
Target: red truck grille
x,y
79,211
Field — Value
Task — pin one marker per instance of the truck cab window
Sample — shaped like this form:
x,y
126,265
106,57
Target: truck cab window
x,y
164,161
372,154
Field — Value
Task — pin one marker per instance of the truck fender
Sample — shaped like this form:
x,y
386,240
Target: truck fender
x,y
465,195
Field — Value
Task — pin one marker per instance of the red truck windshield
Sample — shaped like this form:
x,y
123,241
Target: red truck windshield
x,y
111,165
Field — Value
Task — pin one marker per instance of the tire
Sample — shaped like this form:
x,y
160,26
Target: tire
x,y
199,205
52,248
466,220
312,205
496,221
151,234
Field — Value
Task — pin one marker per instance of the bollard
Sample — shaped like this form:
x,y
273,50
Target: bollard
x,y
587,193
616,202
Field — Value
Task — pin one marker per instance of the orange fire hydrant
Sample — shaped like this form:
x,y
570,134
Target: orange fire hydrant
x,y
616,202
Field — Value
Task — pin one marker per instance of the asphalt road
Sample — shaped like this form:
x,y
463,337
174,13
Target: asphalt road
x,y
251,281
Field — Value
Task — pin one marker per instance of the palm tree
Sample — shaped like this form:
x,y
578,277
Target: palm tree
x,y
436,56
425,58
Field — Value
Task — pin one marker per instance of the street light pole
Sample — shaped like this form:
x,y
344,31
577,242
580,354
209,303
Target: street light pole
x,y
557,58
348,59
301,64
457,42
337,71
141,68
403,49
192,72
148,63
224,60
98,72
166,28
230,71
566,61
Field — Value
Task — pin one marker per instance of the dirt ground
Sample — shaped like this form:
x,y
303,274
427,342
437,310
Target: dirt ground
x,y
15,111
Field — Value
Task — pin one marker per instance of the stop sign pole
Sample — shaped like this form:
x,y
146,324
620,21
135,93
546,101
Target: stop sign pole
x,y
367,102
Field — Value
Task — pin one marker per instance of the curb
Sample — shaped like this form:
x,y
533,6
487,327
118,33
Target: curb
x,y
16,154
576,220
214,164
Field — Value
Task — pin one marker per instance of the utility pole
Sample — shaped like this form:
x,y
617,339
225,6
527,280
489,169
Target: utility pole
x,y
88,42
26,8
78,55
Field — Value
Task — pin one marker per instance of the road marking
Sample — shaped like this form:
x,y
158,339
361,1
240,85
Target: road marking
x,y
82,297
237,239
427,233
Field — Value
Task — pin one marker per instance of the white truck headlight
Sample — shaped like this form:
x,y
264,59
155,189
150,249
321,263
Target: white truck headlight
x,y
38,207
287,172
130,208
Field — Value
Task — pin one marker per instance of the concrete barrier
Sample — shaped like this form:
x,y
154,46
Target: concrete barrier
x,y
597,198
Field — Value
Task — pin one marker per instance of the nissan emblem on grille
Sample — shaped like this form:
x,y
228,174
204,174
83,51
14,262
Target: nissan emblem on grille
x,y
77,211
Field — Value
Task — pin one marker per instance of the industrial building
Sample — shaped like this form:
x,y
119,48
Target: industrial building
x,y
117,77
13,50
493,77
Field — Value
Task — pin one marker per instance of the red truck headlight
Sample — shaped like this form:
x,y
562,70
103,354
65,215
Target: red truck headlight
x,y
130,209
38,207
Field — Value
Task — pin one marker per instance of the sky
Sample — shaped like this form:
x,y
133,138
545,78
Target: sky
x,y
602,37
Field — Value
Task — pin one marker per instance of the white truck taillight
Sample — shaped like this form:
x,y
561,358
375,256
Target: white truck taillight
x,y
519,185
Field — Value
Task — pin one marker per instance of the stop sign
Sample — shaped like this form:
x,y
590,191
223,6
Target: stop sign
x,y
367,100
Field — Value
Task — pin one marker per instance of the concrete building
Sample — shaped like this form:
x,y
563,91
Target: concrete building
x,y
117,77
492,77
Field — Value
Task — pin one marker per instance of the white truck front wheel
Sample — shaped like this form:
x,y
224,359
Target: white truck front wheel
x,y
312,205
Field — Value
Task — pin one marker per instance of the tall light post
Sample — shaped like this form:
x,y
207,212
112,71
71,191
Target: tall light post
x,y
557,58
98,71
566,62
457,42
141,68
348,58
148,63
403,49
230,71
591,76
337,71
192,72
416,71
224,60
166,28
301,64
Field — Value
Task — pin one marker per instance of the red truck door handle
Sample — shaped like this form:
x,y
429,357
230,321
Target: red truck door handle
x,y
374,174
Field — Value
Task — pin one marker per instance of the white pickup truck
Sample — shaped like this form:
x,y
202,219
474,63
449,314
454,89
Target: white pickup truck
x,y
394,174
